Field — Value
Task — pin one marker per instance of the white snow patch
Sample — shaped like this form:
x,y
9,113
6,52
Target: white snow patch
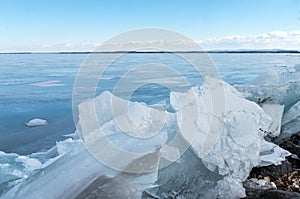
x,y
36,122
29,163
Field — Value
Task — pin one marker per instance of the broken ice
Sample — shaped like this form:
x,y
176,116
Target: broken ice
x,y
222,142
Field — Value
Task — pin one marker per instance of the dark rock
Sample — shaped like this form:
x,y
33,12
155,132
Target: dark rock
x,y
279,194
292,144
289,181
295,161
286,176
274,172
271,194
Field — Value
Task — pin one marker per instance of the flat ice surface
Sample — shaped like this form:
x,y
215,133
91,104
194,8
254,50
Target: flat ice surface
x,y
48,92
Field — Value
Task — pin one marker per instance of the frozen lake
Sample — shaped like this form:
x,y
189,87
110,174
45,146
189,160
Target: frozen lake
x,y
41,85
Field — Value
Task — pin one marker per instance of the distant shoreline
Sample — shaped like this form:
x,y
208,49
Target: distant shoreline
x,y
209,51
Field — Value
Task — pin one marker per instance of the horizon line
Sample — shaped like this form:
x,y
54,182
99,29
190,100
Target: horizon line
x,y
191,51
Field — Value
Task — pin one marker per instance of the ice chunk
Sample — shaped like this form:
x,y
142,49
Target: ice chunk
x,y
230,188
286,95
186,178
128,125
276,77
275,111
255,183
36,122
234,151
290,122
29,163
11,171
109,114
75,169
281,85
270,77
68,146
289,129
272,154
291,114
71,171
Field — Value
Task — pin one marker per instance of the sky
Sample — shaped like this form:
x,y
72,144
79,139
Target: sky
x,y
80,25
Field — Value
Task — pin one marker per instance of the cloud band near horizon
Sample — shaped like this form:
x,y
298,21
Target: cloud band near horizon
x,y
272,40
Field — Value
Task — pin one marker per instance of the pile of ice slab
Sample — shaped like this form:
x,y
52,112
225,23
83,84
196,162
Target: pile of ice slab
x,y
223,133
282,85
232,145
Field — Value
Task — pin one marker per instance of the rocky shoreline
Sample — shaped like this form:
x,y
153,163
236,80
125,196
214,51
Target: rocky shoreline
x,y
282,181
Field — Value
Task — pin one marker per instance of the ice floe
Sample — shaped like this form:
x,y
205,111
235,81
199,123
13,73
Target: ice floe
x,y
36,122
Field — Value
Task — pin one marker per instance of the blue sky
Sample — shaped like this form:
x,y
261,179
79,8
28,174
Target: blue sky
x,y
36,24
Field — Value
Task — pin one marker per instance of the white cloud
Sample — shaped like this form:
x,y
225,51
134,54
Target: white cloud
x,y
66,47
168,44
272,40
